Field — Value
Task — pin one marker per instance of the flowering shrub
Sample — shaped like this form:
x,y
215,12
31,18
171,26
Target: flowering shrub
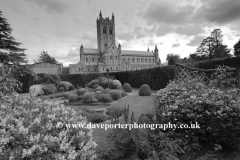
x,y
88,97
99,88
49,88
127,87
81,91
116,84
36,90
145,90
28,131
66,85
115,94
215,109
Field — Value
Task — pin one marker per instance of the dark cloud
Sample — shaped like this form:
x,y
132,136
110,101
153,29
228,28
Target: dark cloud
x,y
176,44
167,12
220,11
189,30
196,41
58,6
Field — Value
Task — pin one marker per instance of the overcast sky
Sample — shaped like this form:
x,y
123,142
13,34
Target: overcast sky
x,y
175,26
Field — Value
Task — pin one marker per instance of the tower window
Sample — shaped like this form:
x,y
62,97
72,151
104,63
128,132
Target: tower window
x,y
104,30
110,56
110,30
116,57
93,59
86,59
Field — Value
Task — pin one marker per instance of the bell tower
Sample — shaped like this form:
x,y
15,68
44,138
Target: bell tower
x,y
105,32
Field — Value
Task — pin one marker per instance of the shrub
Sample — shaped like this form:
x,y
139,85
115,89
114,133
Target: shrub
x,y
106,98
95,117
115,111
116,84
81,91
66,95
73,98
145,90
99,88
80,98
123,93
66,85
127,87
49,88
97,95
88,97
115,94
216,109
36,90
60,89
32,128
95,86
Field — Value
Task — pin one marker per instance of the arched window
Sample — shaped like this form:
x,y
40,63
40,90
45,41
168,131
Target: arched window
x,y
110,30
116,57
104,30
110,56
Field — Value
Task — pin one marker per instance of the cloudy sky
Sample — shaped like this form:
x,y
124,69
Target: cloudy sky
x,y
175,26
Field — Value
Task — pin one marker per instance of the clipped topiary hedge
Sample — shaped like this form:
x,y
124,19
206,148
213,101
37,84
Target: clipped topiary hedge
x,y
88,97
127,87
145,90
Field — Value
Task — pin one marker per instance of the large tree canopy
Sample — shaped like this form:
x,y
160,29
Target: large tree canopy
x,y
45,57
211,47
10,50
237,48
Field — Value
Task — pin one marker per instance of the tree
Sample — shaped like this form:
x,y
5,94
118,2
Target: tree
x,y
211,47
45,57
172,58
10,50
237,48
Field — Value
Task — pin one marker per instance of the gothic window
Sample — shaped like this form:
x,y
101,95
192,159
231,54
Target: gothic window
x,y
79,69
86,59
153,60
141,60
110,30
133,59
104,30
110,56
137,59
145,60
111,68
98,59
93,59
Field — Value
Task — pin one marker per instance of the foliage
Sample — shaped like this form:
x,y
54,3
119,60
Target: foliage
x,y
60,89
46,79
172,58
215,107
145,90
73,98
123,93
45,57
81,91
10,50
88,97
237,48
97,95
116,84
106,98
127,87
36,90
33,129
115,111
99,88
211,47
115,94
93,117
8,83
95,86
49,88
66,85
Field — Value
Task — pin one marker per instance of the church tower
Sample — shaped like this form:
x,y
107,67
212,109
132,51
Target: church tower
x,y
105,32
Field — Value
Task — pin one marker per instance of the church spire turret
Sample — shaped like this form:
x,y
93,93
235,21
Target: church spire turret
x,y
100,15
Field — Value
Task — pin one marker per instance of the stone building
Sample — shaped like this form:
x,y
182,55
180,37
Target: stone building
x,y
112,57
46,68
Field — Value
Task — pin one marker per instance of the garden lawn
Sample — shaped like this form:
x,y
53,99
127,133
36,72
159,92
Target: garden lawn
x,y
137,104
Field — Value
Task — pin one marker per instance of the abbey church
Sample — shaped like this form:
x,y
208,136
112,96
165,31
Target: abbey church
x,y
112,57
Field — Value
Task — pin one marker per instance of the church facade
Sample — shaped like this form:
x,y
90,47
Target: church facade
x,y
112,57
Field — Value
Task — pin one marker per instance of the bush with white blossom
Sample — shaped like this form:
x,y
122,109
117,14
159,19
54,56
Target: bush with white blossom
x,y
31,128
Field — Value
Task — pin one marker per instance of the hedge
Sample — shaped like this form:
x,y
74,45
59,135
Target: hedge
x,y
233,62
157,78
